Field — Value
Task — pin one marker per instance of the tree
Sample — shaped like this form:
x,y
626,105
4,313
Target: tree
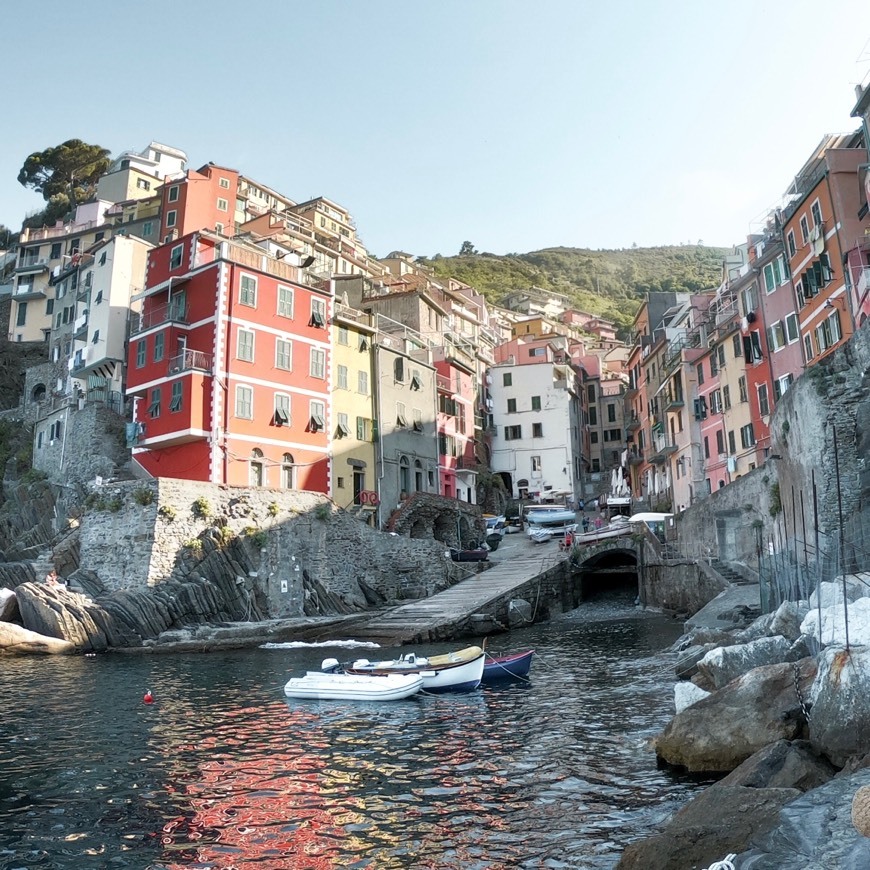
x,y
66,174
7,237
467,250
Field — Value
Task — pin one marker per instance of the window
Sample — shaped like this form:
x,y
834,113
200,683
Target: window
x,y
720,441
808,347
792,247
147,228
49,306
700,370
362,383
593,416
245,347
159,346
173,195
593,436
56,250
317,363
318,313
805,230
284,354
281,415
816,212
538,430
536,464
363,343
781,385
343,336
732,448
21,318
416,383
513,433
224,183
143,184
170,218
511,406
741,386
615,435
611,413
418,419
154,407
700,408
726,397
99,298
792,334
590,394
317,412
285,302
706,447
763,401
749,298
248,291
343,428
96,338
714,364
222,204
747,436
244,402
507,379
401,420
256,476
342,377
716,402
141,351
362,429
288,472
776,336
177,396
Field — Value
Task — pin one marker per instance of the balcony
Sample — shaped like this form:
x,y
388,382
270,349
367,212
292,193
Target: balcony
x,y
31,266
23,292
633,423
636,457
80,327
863,282
661,452
191,360
160,315
674,402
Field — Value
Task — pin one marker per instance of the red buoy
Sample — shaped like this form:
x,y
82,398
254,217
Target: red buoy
x,y
149,698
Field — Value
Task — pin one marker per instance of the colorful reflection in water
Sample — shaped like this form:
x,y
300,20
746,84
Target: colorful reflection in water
x,y
224,772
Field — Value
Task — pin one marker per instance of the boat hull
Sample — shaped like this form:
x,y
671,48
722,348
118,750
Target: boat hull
x,y
459,671
318,686
499,668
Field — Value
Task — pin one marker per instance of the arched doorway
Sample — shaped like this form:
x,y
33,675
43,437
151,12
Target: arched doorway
x,y
257,469
37,394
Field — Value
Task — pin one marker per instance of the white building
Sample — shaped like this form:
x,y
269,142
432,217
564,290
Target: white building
x,y
536,414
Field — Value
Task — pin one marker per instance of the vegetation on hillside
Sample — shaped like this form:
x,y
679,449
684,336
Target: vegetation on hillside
x,y
610,284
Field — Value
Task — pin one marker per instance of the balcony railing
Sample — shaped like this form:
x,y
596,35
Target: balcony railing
x,y
635,457
675,401
863,283
30,264
191,360
172,313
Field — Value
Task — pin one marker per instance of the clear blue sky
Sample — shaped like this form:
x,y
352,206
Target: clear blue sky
x,y
515,125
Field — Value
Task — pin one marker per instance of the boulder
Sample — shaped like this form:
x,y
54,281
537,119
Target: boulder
x,y
814,831
788,618
784,764
15,640
718,733
722,665
721,820
832,592
840,699
686,694
834,623
8,606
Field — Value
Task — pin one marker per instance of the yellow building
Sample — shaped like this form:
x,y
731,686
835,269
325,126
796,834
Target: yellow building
x,y
353,477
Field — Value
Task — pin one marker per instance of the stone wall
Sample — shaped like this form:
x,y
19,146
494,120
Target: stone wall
x,y
307,554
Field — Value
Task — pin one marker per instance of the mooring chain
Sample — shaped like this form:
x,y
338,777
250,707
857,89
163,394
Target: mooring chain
x,y
804,709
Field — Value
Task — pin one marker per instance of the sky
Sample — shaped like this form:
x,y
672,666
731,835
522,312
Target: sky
x,y
513,125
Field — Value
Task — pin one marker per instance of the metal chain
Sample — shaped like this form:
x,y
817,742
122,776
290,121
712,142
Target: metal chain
x,y
797,689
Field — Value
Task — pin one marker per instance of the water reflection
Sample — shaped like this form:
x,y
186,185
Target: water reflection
x,y
223,771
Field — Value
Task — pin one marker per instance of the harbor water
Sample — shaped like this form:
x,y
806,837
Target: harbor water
x,y
222,771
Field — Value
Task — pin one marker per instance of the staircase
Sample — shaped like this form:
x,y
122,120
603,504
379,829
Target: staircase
x,y
41,565
726,572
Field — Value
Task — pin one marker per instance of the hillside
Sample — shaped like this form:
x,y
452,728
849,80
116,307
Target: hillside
x,y
608,283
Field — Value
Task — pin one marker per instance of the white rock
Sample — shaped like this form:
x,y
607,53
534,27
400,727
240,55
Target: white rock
x,y
686,694
833,628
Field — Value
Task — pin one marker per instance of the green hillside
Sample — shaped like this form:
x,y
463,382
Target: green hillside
x,y
608,283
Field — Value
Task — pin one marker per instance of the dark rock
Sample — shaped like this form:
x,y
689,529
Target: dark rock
x,y
721,820
784,764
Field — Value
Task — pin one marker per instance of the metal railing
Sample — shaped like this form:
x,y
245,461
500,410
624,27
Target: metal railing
x,y
189,360
170,313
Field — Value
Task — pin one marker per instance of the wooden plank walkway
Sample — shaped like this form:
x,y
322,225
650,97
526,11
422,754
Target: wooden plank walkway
x,y
516,562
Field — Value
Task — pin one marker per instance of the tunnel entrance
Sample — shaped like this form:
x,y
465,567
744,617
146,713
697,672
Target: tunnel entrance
x,y
611,574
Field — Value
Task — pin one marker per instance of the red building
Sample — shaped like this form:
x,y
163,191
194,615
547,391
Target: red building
x,y
230,366
457,465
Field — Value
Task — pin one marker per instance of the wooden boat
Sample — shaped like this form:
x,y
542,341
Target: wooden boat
x,y
507,667
321,686
459,671
480,554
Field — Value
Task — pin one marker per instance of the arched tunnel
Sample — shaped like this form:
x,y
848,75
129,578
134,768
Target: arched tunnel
x,y
610,572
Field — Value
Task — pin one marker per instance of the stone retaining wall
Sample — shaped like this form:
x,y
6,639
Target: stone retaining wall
x,y
304,550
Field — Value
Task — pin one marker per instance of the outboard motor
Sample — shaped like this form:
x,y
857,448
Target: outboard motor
x,y
329,666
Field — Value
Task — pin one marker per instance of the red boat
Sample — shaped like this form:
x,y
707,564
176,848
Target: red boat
x,y
508,667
